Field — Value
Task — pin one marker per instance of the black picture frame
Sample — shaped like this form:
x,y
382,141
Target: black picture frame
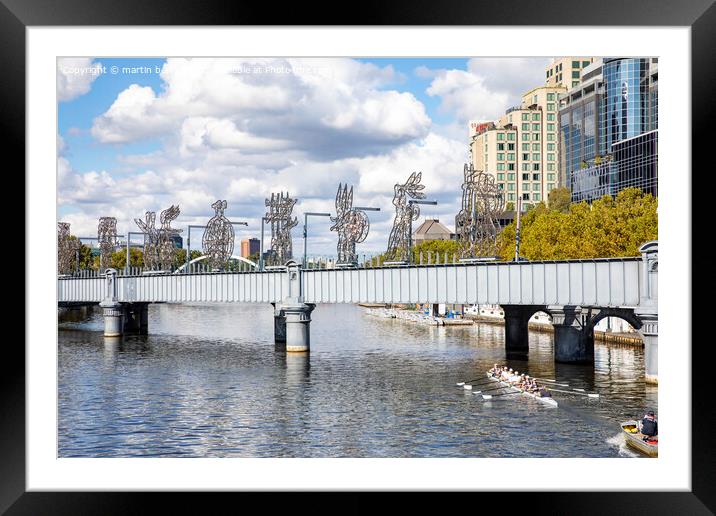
x,y
700,15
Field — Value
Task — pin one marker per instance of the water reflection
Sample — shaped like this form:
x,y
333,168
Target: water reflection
x,y
209,381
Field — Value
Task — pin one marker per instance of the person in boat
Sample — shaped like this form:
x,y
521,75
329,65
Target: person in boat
x,y
543,392
649,426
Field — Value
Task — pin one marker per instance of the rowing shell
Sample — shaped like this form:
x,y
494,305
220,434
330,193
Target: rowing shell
x,y
547,401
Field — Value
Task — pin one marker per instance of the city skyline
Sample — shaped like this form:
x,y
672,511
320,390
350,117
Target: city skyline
x,y
190,131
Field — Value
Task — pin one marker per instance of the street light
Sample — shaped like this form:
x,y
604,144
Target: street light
x,y
305,232
188,239
410,233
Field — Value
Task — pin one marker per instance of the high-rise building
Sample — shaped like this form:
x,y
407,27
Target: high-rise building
x,y
521,150
565,71
609,129
250,246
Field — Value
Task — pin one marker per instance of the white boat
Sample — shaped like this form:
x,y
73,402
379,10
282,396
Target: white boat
x,y
547,400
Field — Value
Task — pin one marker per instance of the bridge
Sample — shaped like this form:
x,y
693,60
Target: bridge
x,y
577,294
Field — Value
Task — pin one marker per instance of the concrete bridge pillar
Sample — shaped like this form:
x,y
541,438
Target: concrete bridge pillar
x,y
517,318
650,334
573,336
279,324
298,325
112,309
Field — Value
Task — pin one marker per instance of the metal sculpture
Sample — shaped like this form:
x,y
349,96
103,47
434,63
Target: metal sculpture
x,y
279,215
352,225
405,214
218,239
158,244
107,240
67,248
476,223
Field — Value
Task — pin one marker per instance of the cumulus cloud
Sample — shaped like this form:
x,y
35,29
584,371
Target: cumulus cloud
x,y
75,76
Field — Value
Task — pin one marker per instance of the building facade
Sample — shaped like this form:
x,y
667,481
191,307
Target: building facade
x,y
609,129
250,246
566,71
521,150
432,229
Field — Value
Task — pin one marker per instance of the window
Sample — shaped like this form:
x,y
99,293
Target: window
x,y
536,187
550,177
535,157
550,127
500,146
550,137
510,156
536,196
525,156
525,177
500,136
525,166
500,156
525,127
535,127
585,63
500,166
550,117
535,147
559,78
525,116
535,116
550,96
526,136
525,197
535,136
535,177
550,107
510,196
501,186
526,146
511,136
550,146
511,146
511,166
575,64
535,166
575,84
511,177
550,187
550,166
550,157
511,186
500,177
575,74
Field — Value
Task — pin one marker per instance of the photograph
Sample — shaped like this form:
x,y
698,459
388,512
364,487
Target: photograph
x,y
358,257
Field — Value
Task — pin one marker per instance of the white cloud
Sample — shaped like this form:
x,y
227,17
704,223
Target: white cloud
x,y
75,76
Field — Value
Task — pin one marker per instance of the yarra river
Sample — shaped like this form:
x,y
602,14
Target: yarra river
x,y
208,382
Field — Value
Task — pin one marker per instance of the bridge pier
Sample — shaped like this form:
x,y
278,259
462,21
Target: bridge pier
x,y
517,318
279,324
573,336
650,334
113,316
298,325
136,318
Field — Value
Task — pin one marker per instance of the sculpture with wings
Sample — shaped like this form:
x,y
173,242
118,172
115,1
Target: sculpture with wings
x,y
405,214
351,224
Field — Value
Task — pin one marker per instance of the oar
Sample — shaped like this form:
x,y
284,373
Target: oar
x,y
460,384
554,382
490,396
490,390
590,394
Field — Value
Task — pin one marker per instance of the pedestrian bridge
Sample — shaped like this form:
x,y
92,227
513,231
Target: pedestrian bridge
x,y
575,293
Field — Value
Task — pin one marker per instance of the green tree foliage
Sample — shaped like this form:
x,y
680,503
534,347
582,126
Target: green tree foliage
x,y
559,199
610,227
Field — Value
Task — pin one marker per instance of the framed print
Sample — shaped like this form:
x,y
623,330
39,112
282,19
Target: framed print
x,y
416,253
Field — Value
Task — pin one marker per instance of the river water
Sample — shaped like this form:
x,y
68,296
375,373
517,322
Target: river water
x,y
208,382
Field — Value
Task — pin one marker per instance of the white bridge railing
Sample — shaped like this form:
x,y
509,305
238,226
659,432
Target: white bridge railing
x,y
614,282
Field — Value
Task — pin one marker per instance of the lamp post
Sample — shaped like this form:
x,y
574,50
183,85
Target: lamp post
x,y
305,232
188,239
517,230
410,233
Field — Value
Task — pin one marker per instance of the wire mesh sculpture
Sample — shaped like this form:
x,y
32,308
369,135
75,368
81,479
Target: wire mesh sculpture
x,y
107,240
405,214
279,215
66,248
476,223
158,243
218,239
352,226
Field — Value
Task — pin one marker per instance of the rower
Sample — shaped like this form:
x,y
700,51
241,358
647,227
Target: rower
x,y
544,393
649,426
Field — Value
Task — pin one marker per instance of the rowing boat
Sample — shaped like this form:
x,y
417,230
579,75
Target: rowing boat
x,y
635,439
545,400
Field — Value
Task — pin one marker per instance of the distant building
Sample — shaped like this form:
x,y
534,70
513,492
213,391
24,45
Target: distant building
x,y
178,241
431,229
250,246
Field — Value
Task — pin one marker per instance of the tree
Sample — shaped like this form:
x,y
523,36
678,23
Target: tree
x,y
610,227
559,199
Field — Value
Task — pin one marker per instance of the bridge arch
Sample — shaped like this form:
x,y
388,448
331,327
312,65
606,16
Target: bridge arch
x,y
625,314
203,257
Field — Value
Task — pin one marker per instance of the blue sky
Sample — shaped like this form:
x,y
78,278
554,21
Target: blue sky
x,y
190,131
